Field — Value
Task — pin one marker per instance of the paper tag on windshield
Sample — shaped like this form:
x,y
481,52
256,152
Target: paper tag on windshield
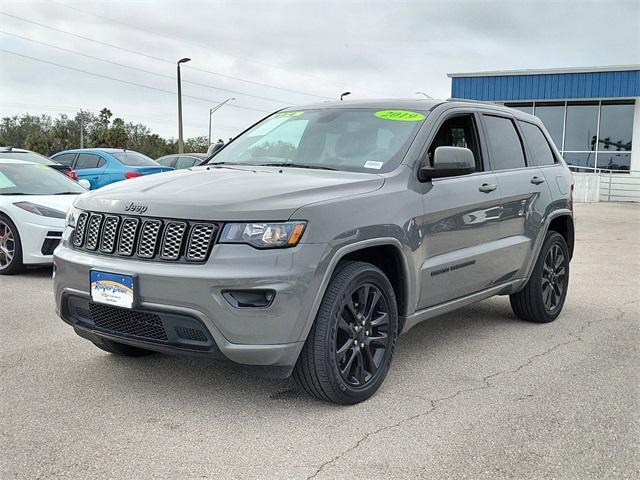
x,y
376,165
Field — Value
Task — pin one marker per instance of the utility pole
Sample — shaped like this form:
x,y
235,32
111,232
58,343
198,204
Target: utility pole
x,y
180,139
81,129
211,110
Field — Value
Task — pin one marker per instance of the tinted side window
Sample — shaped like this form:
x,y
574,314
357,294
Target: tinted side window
x,y
87,160
539,149
65,159
166,161
505,149
186,162
458,131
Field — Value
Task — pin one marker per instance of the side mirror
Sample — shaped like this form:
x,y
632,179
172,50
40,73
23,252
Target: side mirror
x,y
214,147
85,183
449,162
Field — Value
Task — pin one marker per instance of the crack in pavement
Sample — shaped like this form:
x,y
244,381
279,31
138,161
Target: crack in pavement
x,y
486,385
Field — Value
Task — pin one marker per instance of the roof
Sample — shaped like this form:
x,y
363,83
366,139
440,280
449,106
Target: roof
x,y
382,103
606,82
96,149
12,160
547,71
13,149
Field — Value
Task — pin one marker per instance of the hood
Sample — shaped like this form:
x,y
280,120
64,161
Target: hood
x,y
228,193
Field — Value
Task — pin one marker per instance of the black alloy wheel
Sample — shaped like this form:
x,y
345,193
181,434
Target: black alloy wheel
x,y
362,336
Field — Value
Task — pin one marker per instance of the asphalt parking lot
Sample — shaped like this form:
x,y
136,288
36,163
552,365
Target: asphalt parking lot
x,y
473,394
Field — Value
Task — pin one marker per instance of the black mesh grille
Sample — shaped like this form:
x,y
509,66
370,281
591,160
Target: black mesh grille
x,y
172,241
128,236
145,238
191,334
199,241
93,231
128,322
149,238
109,232
81,224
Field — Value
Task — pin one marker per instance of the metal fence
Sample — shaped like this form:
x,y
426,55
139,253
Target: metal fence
x,y
603,185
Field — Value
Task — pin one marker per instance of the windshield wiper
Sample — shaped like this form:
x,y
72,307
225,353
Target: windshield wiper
x,y
66,193
18,193
295,165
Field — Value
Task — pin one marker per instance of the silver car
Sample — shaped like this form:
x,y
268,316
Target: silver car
x,y
311,241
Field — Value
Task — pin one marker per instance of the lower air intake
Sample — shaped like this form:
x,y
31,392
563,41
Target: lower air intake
x,y
128,322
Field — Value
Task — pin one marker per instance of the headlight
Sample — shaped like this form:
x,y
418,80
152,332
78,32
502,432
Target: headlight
x,y
40,210
263,235
72,217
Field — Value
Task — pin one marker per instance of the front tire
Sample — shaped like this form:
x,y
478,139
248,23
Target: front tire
x,y
350,347
120,349
542,298
10,247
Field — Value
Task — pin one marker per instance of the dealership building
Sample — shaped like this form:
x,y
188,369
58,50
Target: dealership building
x,y
592,114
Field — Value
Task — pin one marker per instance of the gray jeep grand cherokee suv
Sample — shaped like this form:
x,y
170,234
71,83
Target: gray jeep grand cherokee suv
x,y
314,238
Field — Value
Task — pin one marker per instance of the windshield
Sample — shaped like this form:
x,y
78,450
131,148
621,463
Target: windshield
x,y
365,140
29,179
28,157
134,159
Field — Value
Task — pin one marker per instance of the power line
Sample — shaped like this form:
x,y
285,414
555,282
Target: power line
x,y
190,42
142,69
69,108
127,82
158,59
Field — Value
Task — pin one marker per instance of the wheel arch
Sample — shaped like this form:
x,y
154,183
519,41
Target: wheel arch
x,y
374,251
563,224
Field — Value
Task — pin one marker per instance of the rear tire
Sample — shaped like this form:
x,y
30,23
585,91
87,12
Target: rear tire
x,y
542,298
120,349
10,247
350,347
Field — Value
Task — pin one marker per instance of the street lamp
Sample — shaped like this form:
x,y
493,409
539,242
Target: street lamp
x,y
211,110
344,94
180,139
422,93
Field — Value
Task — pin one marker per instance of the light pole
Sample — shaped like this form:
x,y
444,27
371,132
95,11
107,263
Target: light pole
x,y
344,94
211,110
422,93
180,139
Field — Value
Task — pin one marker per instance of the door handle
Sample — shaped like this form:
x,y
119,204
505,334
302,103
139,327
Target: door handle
x,y
537,180
487,187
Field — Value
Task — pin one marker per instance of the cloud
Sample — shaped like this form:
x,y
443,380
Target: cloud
x,y
371,48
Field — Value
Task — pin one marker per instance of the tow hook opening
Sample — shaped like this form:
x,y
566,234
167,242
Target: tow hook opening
x,y
249,298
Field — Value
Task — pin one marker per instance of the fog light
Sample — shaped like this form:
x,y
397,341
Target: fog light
x,y
249,298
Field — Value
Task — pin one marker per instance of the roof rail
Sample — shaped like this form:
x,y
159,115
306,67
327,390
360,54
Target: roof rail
x,y
468,100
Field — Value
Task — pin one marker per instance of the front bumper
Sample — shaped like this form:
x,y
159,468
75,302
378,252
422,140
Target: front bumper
x,y
39,239
271,336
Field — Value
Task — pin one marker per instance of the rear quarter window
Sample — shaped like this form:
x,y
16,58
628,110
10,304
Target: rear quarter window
x,y
539,149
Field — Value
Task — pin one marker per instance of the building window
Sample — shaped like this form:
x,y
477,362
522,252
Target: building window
x,y
616,127
589,134
523,107
580,159
581,127
552,115
614,160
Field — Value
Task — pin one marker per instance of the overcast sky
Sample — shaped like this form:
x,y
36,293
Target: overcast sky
x,y
284,53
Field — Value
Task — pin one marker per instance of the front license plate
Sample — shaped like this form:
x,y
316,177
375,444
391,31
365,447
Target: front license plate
x,y
112,288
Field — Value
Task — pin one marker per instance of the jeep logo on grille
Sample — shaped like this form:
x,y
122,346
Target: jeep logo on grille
x,y
132,207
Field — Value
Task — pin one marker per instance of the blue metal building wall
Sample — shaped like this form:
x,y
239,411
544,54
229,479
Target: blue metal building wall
x,y
548,86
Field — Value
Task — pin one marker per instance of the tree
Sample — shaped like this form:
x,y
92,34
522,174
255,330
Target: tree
x,y
48,136
116,136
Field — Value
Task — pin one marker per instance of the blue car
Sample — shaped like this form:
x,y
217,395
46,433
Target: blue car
x,y
102,166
